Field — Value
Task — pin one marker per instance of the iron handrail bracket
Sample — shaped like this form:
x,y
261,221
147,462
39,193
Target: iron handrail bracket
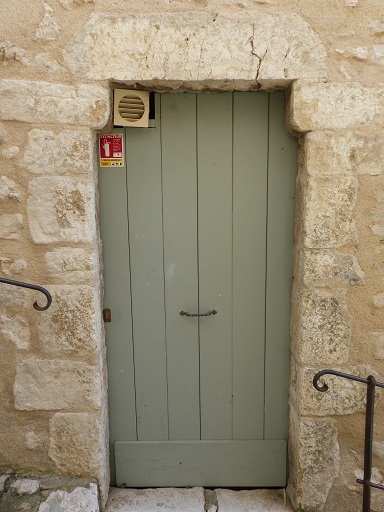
x,y
31,287
372,384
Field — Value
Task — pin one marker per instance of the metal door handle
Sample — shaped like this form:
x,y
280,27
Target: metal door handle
x,y
210,313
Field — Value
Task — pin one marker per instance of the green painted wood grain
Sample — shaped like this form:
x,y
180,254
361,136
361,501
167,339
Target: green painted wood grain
x,y
214,146
282,170
117,297
179,180
143,149
202,463
250,159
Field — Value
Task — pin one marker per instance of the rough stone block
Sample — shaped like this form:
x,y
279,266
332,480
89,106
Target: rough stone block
x,y
43,102
25,486
262,46
325,329
60,210
329,204
377,343
48,29
330,268
378,300
344,153
69,151
318,463
11,226
78,500
8,189
73,442
68,326
3,480
16,330
54,384
343,396
70,265
11,266
336,106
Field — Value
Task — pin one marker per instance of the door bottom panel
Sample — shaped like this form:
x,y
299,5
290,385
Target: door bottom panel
x,y
201,463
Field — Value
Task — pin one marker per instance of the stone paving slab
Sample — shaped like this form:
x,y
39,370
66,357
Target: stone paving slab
x,y
194,500
156,500
259,500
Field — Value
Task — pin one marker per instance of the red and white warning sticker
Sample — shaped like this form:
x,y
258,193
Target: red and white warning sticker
x,y
111,150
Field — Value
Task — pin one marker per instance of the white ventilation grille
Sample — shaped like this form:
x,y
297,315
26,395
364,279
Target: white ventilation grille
x,y
131,108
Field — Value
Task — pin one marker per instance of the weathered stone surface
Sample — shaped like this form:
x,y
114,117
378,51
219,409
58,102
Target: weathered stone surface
x,y
251,501
67,152
8,189
43,102
9,52
72,441
34,441
11,226
371,54
68,326
48,29
378,300
16,330
3,480
161,500
377,342
343,396
318,462
19,297
70,4
79,500
378,214
147,47
25,486
330,268
59,210
48,63
10,151
324,332
344,153
329,203
55,385
70,265
335,106
378,448
11,266
377,26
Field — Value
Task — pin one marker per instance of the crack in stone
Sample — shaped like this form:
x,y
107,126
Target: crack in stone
x,y
210,501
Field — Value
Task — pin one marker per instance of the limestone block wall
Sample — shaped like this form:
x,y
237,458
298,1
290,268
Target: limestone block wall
x,y
60,59
53,400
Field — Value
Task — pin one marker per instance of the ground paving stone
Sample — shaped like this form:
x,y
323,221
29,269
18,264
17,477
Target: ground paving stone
x,y
259,500
156,500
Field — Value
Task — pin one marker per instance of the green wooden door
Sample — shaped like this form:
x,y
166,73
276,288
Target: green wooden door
x,y
200,219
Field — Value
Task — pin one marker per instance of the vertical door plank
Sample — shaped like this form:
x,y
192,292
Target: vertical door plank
x,y
117,297
281,190
214,141
178,134
147,281
250,153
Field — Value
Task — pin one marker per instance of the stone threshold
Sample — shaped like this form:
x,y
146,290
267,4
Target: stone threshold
x,y
197,499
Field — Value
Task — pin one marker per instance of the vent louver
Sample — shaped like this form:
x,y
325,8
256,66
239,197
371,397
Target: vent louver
x,y
131,108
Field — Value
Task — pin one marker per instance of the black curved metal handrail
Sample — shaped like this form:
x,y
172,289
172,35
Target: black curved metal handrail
x,y
31,287
372,384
